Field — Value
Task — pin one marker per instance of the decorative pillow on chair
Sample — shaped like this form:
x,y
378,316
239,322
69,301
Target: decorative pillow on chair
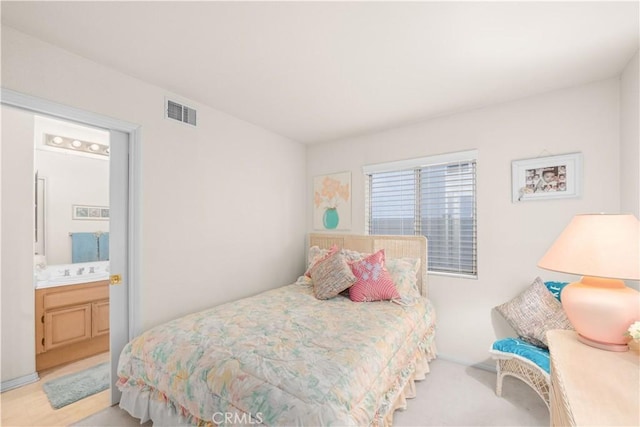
x,y
556,288
374,283
521,348
532,313
331,276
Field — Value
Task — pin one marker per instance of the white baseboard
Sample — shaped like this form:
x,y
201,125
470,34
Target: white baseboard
x,y
19,382
483,366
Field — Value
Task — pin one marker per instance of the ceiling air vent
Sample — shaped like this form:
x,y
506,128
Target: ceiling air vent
x,y
179,112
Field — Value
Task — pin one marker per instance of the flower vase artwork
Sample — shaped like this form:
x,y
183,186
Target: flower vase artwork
x,y
330,219
332,194
634,333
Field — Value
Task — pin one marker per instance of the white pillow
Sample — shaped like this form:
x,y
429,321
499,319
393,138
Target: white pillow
x,y
404,272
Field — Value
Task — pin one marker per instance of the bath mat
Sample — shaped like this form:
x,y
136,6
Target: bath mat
x,y
73,387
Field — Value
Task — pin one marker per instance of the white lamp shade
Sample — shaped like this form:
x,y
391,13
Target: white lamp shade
x,y
598,245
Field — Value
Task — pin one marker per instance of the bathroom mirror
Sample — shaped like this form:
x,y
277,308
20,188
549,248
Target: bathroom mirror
x,y
71,190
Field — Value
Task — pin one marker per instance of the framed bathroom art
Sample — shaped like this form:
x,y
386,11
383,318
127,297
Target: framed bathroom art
x,y
551,177
94,213
332,201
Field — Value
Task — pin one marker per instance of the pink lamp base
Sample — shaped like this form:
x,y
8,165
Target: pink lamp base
x,y
601,310
602,345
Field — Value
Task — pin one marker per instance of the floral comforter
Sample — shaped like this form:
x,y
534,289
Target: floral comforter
x,y
282,357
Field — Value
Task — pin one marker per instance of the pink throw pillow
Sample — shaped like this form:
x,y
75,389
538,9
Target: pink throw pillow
x,y
374,283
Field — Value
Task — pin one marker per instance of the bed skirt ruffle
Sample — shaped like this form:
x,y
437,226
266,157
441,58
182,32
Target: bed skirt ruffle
x,y
405,386
146,403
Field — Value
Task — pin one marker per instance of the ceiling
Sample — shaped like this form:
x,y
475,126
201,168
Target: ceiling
x,y
319,71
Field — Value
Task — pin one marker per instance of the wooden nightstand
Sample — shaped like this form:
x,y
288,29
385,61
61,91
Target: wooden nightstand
x,y
590,386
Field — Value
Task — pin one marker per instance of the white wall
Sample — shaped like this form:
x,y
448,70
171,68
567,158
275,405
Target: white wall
x,y
511,237
16,285
223,205
630,143
630,139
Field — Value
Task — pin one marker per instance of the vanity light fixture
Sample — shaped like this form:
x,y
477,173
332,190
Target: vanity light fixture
x,y
76,144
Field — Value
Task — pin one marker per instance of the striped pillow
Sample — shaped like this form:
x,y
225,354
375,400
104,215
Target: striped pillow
x,y
374,283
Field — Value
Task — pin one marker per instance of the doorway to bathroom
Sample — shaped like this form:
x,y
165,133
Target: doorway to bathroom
x,y
71,241
18,177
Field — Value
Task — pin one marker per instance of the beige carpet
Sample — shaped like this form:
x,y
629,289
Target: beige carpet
x,y
452,395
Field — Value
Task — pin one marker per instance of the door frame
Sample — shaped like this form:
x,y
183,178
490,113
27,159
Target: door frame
x,y
42,106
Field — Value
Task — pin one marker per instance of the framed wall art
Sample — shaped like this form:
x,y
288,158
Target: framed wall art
x,y
552,177
332,201
90,212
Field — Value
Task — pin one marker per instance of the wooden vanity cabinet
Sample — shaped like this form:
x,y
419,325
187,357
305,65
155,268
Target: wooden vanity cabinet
x,y
66,326
72,322
99,318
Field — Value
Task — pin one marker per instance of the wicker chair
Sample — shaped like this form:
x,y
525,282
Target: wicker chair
x,y
525,361
523,368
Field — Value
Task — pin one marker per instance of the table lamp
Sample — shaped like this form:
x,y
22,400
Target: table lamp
x,y
605,250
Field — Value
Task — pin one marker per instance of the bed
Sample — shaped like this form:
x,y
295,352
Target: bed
x,y
285,357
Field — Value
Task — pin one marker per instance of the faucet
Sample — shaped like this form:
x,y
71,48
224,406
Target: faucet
x,y
80,271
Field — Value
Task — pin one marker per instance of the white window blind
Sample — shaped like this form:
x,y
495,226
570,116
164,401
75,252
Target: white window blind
x,y
434,200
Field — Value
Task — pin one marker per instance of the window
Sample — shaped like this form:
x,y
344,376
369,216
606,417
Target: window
x,y
432,196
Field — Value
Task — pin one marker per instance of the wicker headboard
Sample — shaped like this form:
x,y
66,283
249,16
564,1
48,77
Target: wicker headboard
x,y
394,247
